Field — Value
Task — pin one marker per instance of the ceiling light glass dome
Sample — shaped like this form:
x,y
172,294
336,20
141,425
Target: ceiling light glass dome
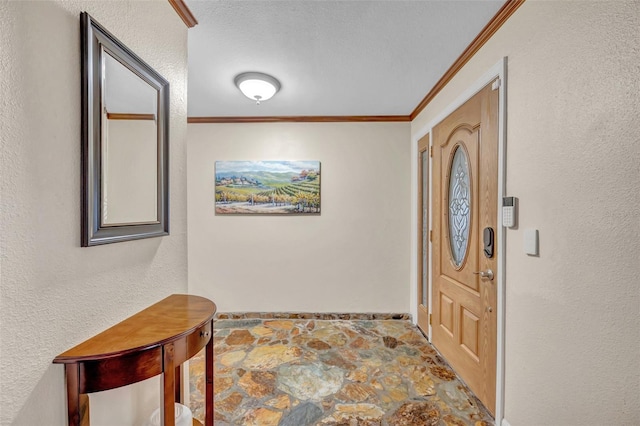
x,y
257,86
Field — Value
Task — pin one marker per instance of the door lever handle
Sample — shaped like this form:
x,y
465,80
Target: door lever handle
x,y
488,274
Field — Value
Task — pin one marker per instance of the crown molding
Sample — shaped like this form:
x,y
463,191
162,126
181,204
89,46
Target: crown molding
x,y
129,116
184,13
489,30
302,119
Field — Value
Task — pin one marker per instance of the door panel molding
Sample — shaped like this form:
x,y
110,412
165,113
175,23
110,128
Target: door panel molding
x,y
423,234
498,71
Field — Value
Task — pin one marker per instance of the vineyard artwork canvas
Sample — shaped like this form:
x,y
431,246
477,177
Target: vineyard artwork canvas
x,y
267,187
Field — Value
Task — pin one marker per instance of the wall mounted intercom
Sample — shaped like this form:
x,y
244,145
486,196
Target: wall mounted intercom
x,y
509,211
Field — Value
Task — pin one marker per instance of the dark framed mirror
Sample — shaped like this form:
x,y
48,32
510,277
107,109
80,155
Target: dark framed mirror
x,y
125,141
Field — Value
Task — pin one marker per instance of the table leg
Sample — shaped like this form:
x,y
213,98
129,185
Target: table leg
x,y
208,359
178,392
77,403
168,409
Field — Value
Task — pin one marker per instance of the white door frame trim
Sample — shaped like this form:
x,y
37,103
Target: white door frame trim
x,y
499,70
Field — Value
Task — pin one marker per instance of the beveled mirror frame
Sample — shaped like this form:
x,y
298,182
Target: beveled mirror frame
x,y
94,38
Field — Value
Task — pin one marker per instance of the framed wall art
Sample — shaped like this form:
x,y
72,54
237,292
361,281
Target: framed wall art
x,y
267,187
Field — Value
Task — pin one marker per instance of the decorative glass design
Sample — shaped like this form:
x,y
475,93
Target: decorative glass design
x,y
425,225
459,206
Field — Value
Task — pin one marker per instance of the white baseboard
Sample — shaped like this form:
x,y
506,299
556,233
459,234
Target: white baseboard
x,y
505,423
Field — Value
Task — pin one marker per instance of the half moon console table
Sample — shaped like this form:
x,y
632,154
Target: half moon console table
x,y
154,341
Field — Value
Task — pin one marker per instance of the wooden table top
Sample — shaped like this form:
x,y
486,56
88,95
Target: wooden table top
x,y
169,319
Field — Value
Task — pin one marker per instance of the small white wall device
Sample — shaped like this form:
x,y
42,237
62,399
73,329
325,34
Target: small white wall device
x,y
530,240
509,211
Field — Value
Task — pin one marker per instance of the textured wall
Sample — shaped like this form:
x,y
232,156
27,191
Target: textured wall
x,y
573,159
354,257
53,293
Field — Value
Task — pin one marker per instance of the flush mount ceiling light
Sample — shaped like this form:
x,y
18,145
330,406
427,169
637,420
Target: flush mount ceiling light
x,y
257,86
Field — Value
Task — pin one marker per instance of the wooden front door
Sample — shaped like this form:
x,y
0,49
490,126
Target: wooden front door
x,y
465,213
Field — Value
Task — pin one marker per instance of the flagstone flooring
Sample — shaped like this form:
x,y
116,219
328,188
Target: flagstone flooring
x,y
303,372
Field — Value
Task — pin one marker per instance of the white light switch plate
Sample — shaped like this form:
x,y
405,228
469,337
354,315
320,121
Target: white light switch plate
x,y
531,242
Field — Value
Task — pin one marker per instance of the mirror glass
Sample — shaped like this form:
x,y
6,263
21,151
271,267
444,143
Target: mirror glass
x,y
125,176
129,147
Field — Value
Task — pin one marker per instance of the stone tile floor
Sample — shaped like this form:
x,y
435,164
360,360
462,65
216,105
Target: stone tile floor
x,y
300,372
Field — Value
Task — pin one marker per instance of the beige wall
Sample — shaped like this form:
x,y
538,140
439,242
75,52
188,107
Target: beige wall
x,y
54,294
573,156
354,257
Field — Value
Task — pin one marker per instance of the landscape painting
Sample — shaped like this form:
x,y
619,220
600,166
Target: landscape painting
x,y
267,187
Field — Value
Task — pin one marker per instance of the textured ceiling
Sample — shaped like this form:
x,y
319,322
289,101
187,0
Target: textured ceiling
x,y
332,57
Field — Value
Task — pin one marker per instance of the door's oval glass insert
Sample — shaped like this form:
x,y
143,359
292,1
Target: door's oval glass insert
x,y
459,205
